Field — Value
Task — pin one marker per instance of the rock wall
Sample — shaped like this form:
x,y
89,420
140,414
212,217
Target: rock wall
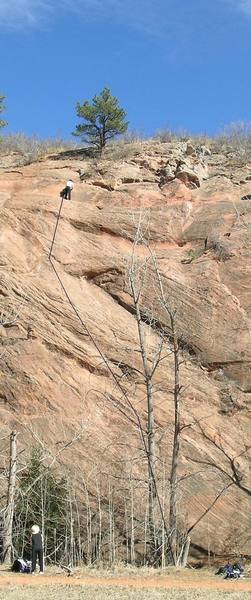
x,y
55,386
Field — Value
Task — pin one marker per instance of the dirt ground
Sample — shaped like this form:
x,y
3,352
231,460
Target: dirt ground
x,y
92,585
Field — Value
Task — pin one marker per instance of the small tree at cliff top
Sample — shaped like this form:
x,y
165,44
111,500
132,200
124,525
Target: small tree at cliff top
x,y
2,108
104,119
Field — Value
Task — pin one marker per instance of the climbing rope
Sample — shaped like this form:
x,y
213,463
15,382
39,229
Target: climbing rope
x,y
55,230
137,421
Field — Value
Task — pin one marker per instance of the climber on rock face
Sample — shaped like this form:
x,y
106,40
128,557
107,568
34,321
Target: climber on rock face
x,y
66,192
68,189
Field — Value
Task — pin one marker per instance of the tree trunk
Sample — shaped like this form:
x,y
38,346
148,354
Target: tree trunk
x,y
100,523
103,137
176,450
151,466
8,517
151,452
132,548
185,552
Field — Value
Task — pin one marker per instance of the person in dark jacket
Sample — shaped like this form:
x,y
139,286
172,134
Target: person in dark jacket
x,y
37,549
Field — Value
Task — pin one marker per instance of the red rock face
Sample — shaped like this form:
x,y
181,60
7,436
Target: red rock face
x,y
55,383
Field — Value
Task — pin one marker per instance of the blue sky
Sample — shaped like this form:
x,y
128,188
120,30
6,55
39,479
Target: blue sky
x,y
183,64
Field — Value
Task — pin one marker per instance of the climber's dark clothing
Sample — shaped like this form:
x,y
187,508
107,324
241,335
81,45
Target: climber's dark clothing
x,y
37,551
66,193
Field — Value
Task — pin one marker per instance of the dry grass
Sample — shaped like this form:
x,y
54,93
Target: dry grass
x,y
122,149
66,592
234,141
32,148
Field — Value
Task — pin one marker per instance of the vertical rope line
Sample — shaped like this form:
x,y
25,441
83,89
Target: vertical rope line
x,y
55,230
123,392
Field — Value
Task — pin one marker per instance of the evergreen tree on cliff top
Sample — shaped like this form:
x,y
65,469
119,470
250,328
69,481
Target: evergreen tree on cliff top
x,y
2,108
104,119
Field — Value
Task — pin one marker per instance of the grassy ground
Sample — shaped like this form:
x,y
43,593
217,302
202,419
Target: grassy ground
x,y
122,583
111,593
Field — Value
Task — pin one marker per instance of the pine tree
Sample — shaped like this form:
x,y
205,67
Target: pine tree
x,y
2,108
42,500
104,119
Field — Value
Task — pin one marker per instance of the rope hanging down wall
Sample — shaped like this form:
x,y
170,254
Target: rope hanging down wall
x,y
120,406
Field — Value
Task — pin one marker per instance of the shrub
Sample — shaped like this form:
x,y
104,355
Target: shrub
x,y
164,135
2,108
220,248
236,139
194,253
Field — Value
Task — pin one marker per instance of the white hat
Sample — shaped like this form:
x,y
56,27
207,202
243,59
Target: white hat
x,y
35,529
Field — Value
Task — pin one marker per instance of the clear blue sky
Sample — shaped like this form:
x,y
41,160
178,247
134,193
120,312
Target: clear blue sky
x,y
177,63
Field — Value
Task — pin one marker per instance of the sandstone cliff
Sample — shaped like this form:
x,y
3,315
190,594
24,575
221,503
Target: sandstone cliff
x,y
55,386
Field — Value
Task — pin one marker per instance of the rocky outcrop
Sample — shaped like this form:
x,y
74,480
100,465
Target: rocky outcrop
x,y
58,374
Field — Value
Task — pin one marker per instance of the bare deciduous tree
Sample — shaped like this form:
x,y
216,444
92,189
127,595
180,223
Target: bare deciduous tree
x,y
177,552
148,371
231,469
10,505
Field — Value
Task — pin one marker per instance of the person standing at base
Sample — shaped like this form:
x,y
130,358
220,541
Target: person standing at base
x,y
37,549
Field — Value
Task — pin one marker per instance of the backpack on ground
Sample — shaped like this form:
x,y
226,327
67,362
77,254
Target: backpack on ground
x,y
21,566
233,573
